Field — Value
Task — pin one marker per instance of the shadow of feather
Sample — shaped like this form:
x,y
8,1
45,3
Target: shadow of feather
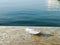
x,y
43,35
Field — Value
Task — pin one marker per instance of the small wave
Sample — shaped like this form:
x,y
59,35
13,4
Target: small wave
x,y
29,23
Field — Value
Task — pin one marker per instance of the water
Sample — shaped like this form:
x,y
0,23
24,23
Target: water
x,y
36,15
32,18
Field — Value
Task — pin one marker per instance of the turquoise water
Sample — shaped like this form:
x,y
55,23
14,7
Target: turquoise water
x,y
31,18
29,13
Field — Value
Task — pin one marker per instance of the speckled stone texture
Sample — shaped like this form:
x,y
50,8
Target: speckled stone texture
x,y
16,35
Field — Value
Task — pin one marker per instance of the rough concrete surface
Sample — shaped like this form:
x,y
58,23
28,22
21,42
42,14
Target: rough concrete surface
x,y
16,35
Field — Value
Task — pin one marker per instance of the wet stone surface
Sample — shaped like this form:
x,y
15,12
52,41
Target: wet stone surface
x,y
16,35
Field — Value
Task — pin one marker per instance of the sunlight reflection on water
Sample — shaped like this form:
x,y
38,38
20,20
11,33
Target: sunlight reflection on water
x,y
53,5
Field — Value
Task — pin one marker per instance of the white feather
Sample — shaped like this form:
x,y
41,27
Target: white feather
x,y
31,31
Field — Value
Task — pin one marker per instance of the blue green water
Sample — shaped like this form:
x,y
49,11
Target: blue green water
x,y
28,13
31,18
